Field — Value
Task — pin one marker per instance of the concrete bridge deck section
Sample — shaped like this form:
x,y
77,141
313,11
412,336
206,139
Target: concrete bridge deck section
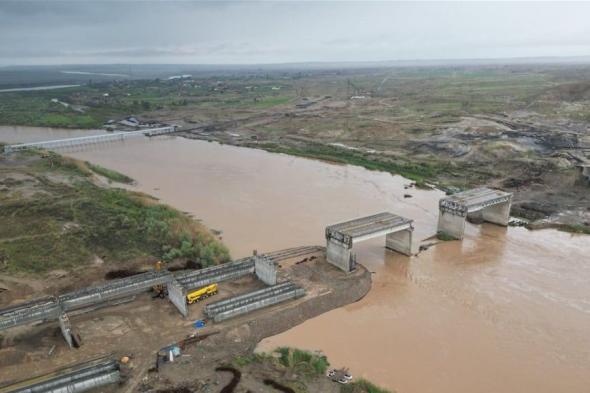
x,y
489,204
88,140
74,379
341,237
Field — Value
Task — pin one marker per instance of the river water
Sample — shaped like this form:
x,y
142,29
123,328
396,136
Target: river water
x,y
504,310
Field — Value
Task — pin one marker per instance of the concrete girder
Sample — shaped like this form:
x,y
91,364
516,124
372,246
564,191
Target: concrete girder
x,y
255,300
73,379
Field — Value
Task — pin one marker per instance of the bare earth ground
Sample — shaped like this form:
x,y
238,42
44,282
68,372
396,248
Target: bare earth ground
x,y
139,328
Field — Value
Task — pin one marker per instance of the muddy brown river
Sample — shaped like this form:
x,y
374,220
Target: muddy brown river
x,y
504,310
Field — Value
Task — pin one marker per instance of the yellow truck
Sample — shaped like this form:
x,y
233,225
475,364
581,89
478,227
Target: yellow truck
x,y
201,293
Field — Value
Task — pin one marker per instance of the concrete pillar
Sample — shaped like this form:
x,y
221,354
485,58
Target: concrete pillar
x,y
400,241
497,214
66,328
265,269
451,224
177,296
339,255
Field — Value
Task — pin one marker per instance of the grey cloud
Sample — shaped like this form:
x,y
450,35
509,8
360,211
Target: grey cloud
x,y
257,32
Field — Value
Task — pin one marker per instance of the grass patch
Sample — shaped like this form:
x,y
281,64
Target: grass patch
x,y
304,362
110,174
421,173
444,236
362,386
576,228
269,102
68,219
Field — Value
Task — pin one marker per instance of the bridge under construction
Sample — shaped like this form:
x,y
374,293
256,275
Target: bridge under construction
x,y
178,284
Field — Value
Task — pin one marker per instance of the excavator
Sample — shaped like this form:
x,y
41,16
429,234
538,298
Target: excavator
x,y
160,289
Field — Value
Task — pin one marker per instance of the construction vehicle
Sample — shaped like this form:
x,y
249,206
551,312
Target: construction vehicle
x,y
160,289
201,293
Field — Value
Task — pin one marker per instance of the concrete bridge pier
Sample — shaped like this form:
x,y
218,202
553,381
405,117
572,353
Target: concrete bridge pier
x,y
66,328
177,296
497,214
451,224
340,255
266,269
400,241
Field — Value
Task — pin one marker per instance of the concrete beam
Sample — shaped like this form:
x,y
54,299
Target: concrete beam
x,y
72,379
248,302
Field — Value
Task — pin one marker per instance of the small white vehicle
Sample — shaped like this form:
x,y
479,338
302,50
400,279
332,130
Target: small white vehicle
x,y
343,380
348,376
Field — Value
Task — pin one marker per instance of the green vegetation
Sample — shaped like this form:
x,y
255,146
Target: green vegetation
x,y
57,218
362,386
306,366
419,172
110,174
306,363
578,228
444,236
271,101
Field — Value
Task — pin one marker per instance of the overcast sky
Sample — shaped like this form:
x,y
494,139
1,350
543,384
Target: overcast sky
x,y
58,32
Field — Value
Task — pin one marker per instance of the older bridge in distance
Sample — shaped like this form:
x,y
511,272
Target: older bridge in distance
x,y
493,205
341,237
88,140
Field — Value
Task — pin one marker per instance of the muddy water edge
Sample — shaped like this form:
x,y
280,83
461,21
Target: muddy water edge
x,y
506,309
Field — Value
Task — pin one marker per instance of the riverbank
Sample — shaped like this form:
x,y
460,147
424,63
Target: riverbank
x,y
59,213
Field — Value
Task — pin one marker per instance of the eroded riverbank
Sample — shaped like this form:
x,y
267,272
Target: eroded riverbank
x,y
505,310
